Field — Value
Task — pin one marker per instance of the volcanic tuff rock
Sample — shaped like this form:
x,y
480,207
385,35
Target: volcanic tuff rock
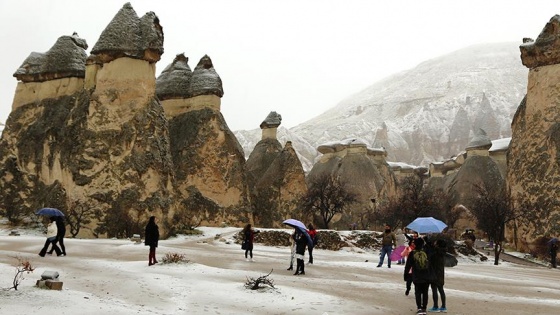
x,y
127,35
209,162
363,170
279,191
66,58
534,155
100,149
174,80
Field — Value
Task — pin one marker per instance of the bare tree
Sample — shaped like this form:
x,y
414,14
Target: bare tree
x,y
493,210
326,197
23,267
79,215
414,200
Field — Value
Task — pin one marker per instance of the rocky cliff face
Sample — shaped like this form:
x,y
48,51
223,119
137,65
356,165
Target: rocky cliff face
x,y
534,155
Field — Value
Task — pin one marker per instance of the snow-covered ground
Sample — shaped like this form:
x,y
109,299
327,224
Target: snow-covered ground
x,y
109,276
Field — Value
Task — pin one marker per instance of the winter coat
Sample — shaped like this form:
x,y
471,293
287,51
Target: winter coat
x,y
401,239
249,236
151,235
301,243
60,226
388,239
437,262
52,230
418,275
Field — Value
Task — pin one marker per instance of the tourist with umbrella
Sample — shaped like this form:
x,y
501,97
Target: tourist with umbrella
x,y
61,228
52,231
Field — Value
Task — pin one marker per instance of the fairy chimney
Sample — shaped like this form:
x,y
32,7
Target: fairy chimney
x,y
533,169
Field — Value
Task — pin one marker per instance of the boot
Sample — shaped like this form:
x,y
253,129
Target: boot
x,y
291,267
302,269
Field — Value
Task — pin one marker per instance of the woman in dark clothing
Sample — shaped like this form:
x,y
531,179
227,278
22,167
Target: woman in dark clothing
x,y
421,274
60,235
437,262
301,242
151,238
249,236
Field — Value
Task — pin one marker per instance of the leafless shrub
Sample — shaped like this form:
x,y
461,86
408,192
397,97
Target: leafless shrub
x,y
23,267
174,258
255,284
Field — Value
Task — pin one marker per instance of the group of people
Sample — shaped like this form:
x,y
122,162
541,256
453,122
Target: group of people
x,y
56,229
298,242
424,262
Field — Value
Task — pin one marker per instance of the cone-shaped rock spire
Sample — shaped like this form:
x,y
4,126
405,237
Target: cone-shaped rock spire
x,y
66,58
205,80
479,141
175,79
130,36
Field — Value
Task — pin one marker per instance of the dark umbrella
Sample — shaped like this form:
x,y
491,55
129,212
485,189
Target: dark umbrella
x,y
50,212
450,260
296,224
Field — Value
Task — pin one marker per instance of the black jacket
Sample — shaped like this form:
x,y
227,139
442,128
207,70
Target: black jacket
x,y
151,236
418,275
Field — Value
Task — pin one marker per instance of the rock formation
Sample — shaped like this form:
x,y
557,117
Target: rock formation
x,y
363,170
265,151
278,193
458,177
276,177
534,154
208,161
90,133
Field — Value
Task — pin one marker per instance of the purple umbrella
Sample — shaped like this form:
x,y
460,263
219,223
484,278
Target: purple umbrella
x,y
301,227
396,253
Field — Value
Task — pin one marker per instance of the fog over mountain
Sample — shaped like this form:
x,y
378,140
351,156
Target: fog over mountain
x,y
424,114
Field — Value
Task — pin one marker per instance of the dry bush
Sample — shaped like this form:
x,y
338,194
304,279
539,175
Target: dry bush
x,y
174,258
255,284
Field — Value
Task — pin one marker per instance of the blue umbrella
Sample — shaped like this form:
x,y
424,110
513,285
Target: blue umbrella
x,y
51,212
296,224
427,225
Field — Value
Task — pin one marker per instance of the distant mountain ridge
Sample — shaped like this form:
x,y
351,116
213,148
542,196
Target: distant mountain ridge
x,y
424,114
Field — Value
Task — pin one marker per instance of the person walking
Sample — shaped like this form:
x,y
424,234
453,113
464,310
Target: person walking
x,y
437,262
421,274
51,239
61,228
388,241
151,238
313,234
301,243
248,238
553,249
408,276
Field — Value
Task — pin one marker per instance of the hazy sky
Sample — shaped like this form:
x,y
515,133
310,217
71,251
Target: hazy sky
x,y
298,58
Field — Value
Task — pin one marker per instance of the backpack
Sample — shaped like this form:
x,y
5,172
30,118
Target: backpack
x,y
421,261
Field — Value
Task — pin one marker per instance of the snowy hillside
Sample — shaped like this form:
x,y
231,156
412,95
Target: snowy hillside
x,y
427,113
